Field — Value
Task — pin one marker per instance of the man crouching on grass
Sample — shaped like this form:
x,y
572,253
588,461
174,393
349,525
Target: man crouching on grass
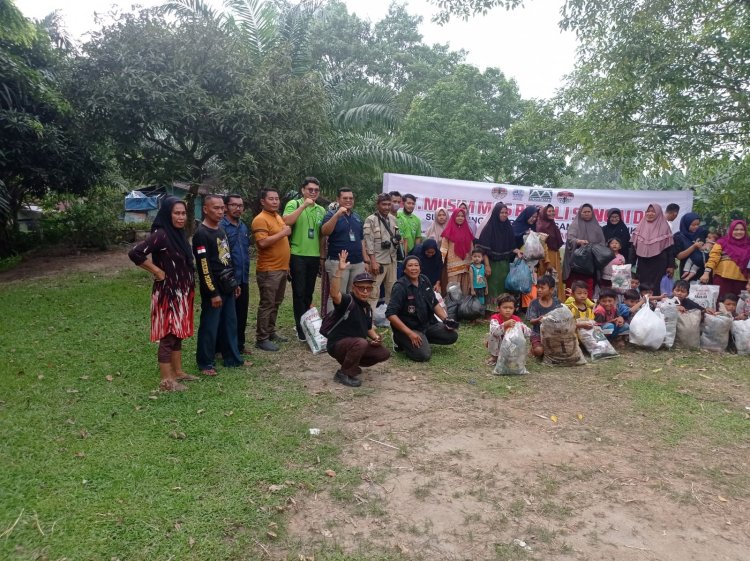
x,y
350,326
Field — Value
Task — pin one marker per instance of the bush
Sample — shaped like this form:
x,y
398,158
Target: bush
x,y
93,221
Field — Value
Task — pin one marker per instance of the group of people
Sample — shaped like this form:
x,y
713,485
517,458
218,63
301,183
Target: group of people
x,y
387,259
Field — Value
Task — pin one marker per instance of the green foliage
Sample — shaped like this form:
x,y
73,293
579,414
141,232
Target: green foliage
x,y
477,127
90,222
42,146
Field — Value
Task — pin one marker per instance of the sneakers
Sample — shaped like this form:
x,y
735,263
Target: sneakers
x,y
342,378
301,337
267,345
396,347
279,338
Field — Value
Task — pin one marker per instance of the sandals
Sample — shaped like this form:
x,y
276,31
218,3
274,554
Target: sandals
x,y
172,386
209,372
185,377
492,361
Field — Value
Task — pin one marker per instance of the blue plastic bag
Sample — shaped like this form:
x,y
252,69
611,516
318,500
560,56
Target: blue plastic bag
x,y
666,286
519,278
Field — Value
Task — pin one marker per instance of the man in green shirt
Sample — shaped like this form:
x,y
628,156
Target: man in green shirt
x,y
304,216
409,224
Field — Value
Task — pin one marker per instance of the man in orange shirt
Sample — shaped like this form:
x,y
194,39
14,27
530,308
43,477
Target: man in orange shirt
x,y
271,238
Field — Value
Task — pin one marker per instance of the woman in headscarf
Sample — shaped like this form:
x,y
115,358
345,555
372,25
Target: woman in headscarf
x,y
653,248
173,292
499,246
525,222
688,244
545,224
469,221
616,228
455,249
438,225
431,261
729,260
583,230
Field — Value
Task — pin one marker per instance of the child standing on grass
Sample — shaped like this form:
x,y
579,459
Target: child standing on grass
x,y
544,303
500,322
579,304
478,276
615,245
611,316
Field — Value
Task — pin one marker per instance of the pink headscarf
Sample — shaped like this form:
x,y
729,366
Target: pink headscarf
x,y
651,238
737,250
459,234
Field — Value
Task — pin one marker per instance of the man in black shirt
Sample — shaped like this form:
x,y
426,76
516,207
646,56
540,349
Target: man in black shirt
x,y
412,312
347,341
218,323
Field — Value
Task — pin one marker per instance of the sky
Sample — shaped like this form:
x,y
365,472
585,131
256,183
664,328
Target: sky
x,y
526,43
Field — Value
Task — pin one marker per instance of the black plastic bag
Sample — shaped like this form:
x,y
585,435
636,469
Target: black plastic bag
x,y
582,261
602,255
470,308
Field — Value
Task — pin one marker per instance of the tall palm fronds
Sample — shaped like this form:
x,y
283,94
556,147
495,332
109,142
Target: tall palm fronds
x,y
367,151
54,25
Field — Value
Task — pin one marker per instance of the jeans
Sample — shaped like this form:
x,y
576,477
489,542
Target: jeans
x,y
272,286
347,276
304,270
218,332
436,333
241,304
353,352
624,329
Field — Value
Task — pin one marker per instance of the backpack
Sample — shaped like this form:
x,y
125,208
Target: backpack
x,y
332,319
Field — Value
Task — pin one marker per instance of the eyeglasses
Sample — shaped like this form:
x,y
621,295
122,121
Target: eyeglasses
x,y
363,288
311,190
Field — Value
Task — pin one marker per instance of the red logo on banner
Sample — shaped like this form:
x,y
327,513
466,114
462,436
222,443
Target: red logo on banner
x,y
564,197
499,192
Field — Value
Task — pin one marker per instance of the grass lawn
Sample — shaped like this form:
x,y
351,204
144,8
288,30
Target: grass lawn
x,y
95,464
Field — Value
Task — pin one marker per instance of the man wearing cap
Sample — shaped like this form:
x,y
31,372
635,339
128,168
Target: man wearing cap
x,y
412,312
348,340
381,241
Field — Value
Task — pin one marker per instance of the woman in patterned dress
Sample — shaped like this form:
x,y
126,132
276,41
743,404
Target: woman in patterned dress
x,y
173,292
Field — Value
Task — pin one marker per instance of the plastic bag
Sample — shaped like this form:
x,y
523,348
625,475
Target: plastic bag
x,y
596,343
668,309
716,330
704,294
602,255
311,322
741,336
533,250
666,285
513,351
688,330
452,300
621,278
470,308
559,339
519,278
378,317
582,261
647,329
743,304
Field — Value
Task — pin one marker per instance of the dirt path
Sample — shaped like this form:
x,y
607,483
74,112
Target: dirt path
x,y
53,263
442,472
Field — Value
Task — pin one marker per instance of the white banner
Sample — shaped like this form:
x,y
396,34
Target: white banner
x,y
435,192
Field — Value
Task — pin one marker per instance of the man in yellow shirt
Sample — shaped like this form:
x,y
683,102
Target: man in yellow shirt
x,y
271,238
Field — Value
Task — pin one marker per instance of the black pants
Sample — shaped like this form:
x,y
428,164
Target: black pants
x,y
436,333
241,304
304,272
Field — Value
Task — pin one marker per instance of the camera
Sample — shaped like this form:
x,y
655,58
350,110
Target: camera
x,y
396,238
385,244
